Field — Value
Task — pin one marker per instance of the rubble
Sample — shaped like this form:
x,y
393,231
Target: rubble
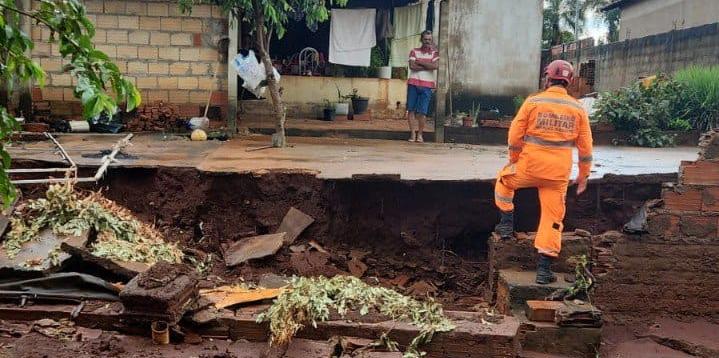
x,y
123,269
253,248
120,236
155,118
578,314
41,254
164,292
293,224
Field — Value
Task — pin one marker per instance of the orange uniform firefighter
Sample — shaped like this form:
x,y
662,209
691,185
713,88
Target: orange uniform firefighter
x,y
544,132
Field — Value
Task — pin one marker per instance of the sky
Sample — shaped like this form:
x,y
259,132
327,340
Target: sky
x,y
596,27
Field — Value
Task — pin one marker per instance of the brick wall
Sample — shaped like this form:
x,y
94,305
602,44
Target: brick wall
x,y
169,56
674,267
621,63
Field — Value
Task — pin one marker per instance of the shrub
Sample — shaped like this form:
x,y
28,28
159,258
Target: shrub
x,y
701,85
647,111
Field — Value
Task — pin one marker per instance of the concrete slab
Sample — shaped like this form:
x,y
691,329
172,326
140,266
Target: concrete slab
x,y
337,158
515,288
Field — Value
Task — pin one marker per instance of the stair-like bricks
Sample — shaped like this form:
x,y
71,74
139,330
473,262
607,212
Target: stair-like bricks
x,y
512,275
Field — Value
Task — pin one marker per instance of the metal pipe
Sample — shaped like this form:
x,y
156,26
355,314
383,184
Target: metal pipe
x,y
44,181
106,160
63,153
38,170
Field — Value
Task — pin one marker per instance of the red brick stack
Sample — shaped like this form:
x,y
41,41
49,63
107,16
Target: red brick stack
x,y
155,117
674,267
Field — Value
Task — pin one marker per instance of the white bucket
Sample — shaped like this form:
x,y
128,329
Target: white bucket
x,y
342,109
385,72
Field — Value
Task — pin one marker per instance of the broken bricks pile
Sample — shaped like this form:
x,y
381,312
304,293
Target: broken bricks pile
x,y
670,263
156,117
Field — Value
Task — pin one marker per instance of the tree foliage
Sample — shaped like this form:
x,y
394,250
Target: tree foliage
x,y
561,20
99,84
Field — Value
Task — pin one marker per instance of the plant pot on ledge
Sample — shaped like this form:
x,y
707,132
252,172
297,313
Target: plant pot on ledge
x,y
360,105
328,114
467,122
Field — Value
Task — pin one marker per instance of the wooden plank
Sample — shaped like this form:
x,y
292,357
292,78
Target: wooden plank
x,y
226,296
294,223
253,248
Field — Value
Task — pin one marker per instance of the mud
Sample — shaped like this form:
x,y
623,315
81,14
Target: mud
x,y
433,232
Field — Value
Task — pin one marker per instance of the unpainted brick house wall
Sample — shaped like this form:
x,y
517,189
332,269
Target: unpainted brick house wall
x,y
170,56
674,267
621,63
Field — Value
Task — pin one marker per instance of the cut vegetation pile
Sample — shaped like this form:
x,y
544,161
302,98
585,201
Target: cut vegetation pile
x,y
119,235
312,300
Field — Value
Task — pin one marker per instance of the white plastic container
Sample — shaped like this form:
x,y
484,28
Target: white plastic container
x,y
79,126
385,72
342,108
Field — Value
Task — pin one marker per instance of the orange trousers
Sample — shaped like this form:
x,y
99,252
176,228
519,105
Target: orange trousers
x,y
552,198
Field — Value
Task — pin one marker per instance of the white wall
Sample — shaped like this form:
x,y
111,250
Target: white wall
x,y
495,46
650,17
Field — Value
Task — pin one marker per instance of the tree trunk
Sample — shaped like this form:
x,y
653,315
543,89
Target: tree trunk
x,y
278,139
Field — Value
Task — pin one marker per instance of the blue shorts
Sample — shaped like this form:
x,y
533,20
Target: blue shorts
x,y
418,99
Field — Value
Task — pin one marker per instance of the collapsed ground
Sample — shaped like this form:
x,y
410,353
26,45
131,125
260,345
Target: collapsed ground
x,y
421,237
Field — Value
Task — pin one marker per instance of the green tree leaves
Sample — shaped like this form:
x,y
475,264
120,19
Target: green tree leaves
x,y
99,84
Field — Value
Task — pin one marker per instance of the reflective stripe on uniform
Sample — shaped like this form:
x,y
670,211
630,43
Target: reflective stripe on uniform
x,y
555,101
503,199
549,143
586,159
515,148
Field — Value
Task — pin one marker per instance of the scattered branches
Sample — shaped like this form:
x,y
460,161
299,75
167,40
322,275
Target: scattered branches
x,y
119,235
311,300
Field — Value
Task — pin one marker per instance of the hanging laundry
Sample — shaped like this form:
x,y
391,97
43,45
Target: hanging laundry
x,y
409,22
352,36
383,24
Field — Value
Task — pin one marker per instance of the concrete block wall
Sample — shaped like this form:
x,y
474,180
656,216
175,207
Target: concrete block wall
x,y
621,63
674,267
170,56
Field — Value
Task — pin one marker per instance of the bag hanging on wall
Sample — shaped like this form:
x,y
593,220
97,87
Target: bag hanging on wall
x,y
252,73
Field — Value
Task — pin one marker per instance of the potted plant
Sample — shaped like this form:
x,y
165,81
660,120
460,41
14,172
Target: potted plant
x,y
359,103
380,60
467,120
342,106
328,113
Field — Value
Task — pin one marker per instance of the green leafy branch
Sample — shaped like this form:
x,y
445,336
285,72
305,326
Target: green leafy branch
x,y
95,74
308,301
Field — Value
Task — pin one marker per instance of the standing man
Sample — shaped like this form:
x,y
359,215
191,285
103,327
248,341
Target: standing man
x,y
541,139
423,62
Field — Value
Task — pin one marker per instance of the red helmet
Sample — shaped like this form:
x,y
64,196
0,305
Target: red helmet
x,y
560,70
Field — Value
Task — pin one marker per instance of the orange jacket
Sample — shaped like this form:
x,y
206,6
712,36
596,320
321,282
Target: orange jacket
x,y
544,132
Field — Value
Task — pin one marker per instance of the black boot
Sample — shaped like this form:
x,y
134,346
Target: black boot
x,y
544,271
505,228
